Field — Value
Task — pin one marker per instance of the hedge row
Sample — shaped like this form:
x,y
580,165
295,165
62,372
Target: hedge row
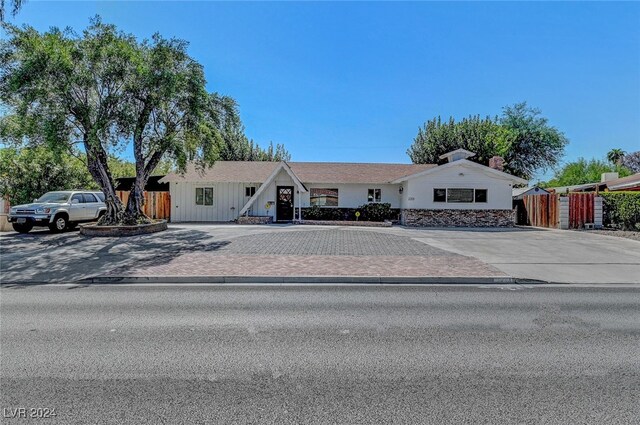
x,y
621,210
368,212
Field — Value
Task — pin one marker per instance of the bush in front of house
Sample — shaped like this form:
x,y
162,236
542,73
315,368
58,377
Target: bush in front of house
x,y
621,209
376,212
368,212
326,213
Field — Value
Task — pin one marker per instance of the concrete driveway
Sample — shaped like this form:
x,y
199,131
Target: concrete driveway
x,y
193,250
544,254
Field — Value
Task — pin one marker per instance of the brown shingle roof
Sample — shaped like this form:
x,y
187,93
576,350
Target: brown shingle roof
x,y
307,172
345,172
226,172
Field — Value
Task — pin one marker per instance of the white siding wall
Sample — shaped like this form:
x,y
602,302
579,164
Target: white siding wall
x,y
225,196
418,192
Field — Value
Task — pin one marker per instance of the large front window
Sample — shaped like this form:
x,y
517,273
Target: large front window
x,y
324,197
457,195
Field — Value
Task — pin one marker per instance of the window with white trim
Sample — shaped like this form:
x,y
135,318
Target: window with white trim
x,y
460,195
204,196
323,197
374,195
249,191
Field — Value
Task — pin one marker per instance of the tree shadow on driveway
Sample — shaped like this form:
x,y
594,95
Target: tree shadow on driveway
x,y
42,257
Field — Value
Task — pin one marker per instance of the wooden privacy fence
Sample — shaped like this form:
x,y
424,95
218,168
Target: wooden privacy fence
x,y
576,209
541,210
156,204
581,209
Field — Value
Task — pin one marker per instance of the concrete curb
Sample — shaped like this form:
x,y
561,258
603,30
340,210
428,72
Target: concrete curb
x,y
415,280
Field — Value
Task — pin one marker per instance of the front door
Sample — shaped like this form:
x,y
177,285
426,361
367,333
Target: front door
x,y
284,206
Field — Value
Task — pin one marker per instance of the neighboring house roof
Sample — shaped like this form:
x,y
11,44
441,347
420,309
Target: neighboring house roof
x,y
519,192
624,183
574,188
467,164
153,184
308,172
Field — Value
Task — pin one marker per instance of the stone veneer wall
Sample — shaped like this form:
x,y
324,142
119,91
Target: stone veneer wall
x,y
255,219
458,218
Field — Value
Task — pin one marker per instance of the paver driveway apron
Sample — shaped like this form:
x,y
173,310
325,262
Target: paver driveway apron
x,y
204,251
327,251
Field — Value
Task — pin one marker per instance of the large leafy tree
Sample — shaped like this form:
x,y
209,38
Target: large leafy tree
x,y
104,91
63,89
483,136
583,171
520,135
166,102
532,144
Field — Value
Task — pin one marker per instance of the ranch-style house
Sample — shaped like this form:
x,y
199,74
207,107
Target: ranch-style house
x,y
457,193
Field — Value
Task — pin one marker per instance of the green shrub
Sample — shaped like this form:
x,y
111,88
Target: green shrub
x,y
368,212
621,209
327,213
376,212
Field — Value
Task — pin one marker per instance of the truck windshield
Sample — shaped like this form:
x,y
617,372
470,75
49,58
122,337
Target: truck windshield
x,y
54,197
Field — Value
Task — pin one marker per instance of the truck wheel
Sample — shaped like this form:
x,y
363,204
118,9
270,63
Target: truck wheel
x,y
22,228
59,224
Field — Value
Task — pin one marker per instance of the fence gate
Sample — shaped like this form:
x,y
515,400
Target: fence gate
x,y
540,210
581,209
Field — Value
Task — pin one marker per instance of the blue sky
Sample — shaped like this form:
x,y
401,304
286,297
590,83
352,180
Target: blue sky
x,y
354,81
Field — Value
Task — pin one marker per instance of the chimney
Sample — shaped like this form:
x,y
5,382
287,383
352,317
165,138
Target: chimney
x,y
608,177
497,163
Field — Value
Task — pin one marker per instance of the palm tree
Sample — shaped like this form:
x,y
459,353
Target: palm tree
x,y
615,156
17,5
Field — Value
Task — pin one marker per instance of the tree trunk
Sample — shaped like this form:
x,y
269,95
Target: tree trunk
x,y
134,213
99,170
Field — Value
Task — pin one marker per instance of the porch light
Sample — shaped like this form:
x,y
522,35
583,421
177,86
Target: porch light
x,y
400,190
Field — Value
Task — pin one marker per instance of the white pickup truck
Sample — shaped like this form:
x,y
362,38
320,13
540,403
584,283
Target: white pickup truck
x,y
59,211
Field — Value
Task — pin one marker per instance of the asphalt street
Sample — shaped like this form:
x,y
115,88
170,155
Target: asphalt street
x,y
352,354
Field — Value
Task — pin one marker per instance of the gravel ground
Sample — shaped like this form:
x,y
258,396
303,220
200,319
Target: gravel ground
x,y
618,233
